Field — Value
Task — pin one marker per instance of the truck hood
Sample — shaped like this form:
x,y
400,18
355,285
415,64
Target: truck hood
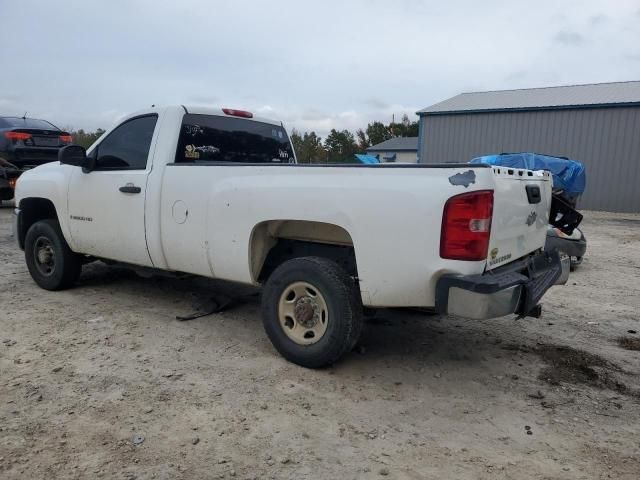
x,y
41,180
45,167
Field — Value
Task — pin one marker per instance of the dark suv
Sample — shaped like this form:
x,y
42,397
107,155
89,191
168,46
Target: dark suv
x,y
26,143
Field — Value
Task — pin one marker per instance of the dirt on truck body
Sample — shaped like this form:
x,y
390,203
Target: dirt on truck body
x,y
102,381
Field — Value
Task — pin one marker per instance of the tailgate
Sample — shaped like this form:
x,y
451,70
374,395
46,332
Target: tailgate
x,y
522,199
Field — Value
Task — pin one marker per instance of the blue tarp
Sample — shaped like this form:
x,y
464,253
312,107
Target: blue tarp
x,y
568,175
369,159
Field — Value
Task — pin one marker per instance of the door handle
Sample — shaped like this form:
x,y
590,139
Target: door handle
x,y
130,188
533,194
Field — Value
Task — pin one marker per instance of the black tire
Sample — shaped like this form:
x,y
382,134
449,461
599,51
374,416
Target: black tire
x,y
343,303
63,266
356,331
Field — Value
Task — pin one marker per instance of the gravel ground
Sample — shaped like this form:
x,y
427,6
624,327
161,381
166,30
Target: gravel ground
x,y
85,371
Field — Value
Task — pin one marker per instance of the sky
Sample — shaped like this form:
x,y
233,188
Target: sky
x,y
313,65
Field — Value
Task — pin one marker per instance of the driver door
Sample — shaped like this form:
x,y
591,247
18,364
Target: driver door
x,y
107,205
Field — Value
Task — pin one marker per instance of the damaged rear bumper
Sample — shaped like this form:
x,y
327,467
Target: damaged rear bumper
x,y
515,288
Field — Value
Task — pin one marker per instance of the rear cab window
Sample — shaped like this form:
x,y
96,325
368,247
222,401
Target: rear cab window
x,y
216,138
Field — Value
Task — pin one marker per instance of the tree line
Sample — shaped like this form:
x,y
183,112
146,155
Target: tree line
x,y
83,138
342,145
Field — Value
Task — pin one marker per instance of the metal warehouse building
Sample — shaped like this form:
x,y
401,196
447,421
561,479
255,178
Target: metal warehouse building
x,y
597,124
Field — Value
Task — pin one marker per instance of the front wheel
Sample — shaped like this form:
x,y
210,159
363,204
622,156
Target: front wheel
x,y
51,263
311,311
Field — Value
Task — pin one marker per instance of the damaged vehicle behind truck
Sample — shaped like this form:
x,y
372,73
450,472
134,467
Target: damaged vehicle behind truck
x,y
218,193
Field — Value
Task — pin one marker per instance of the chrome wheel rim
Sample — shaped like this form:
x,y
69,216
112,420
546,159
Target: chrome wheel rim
x,y
44,256
303,313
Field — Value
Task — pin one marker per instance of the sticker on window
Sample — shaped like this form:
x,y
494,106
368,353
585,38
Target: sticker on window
x,y
193,130
191,152
207,149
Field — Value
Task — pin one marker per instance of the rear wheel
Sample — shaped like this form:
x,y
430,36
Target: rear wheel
x,y
51,263
311,311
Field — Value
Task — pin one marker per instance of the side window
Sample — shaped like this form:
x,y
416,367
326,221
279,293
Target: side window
x,y
127,147
213,138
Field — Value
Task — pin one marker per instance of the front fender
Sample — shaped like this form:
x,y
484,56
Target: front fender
x,y
50,182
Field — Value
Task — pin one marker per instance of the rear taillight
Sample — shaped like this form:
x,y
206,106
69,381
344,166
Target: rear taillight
x,y
66,138
237,113
466,226
12,182
17,135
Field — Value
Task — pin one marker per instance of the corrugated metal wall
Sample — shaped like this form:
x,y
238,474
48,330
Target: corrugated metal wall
x,y
605,140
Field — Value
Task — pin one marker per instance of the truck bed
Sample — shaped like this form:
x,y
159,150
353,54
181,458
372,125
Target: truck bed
x,y
383,209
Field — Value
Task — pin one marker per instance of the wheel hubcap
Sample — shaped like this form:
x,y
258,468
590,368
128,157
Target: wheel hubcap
x,y
44,255
303,313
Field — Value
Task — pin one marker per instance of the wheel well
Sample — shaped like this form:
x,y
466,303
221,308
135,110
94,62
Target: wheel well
x,y
277,241
33,210
286,249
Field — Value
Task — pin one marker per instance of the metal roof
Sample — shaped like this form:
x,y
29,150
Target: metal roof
x,y
397,144
548,98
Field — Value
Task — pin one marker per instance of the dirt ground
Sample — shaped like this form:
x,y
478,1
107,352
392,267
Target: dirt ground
x,y
84,372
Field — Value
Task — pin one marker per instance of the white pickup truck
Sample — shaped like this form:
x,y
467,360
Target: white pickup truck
x,y
218,193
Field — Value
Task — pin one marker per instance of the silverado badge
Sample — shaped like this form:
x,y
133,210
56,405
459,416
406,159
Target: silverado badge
x,y
532,218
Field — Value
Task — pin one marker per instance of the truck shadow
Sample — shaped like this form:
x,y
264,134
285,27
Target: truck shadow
x,y
410,347
386,331
408,338
403,335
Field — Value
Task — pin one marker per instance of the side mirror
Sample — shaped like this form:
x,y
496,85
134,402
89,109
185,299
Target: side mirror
x,y
77,156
